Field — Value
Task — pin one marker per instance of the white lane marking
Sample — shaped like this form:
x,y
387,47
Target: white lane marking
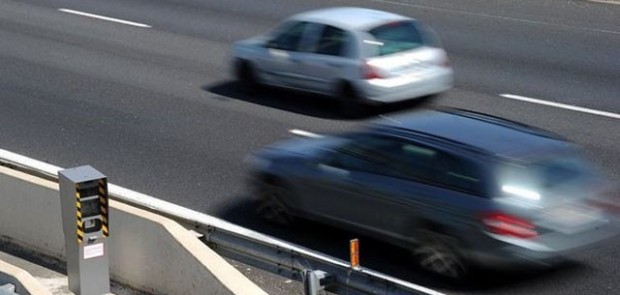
x,y
616,2
101,17
305,133
561,105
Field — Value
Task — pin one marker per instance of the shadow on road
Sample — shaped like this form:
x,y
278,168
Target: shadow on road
x,y
300,102
392,260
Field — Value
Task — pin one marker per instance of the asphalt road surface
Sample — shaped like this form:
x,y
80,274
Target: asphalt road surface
x,y
145,96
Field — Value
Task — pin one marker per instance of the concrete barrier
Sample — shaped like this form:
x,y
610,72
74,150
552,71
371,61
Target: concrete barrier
x,y
147,251
24,283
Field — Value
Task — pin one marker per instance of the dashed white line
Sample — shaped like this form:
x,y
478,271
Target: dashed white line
x,y
616,2
305,133
101,17
561,105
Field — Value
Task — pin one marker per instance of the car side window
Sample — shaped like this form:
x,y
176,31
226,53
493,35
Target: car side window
x,y
401,158
289,38
438,168
333,41
459,174
365,153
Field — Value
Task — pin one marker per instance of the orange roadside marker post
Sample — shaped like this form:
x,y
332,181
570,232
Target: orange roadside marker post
x,y
354,250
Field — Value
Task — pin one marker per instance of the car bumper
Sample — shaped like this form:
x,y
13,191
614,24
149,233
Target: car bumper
x,y
545,251
407,87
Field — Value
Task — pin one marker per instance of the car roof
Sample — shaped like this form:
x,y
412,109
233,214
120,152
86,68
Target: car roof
x,y
476,131
351,18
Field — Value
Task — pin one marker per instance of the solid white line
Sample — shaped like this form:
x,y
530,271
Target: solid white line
x,y
111,19
561,105
305,133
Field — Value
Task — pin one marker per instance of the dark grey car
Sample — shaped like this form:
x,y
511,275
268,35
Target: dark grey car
x,y
455,187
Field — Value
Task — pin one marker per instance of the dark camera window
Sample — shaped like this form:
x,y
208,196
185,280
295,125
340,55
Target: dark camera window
x,y
89,191
91,207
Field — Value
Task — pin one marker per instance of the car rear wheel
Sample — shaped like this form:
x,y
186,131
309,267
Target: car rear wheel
x,y
350,103
436,254
272,204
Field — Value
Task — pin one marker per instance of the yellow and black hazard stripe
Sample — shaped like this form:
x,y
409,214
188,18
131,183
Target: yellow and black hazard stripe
x,y
103,202
80,224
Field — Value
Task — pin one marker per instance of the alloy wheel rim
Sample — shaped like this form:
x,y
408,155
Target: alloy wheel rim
x,y
440,261
273,208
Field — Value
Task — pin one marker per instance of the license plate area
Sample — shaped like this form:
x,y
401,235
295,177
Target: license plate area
x,y
570,219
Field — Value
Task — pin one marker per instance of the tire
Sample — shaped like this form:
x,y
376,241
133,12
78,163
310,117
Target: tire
x,y
272,205
350,103
246,75
437,254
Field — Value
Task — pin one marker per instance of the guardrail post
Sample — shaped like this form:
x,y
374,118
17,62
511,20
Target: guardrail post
x,y
315,281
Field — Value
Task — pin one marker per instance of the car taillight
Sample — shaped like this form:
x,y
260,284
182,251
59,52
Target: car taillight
x,y
369,72
503,224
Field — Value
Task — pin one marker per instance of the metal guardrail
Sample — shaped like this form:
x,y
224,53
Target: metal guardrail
x,y
242,244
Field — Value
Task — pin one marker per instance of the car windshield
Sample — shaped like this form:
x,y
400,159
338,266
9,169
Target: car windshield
x,y
394,37
566,173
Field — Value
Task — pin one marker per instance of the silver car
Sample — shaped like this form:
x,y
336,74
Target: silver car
x,y
355,54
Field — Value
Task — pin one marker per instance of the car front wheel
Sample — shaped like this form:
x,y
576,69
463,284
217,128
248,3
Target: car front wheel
x,y
437,254
272,205
351,105
246,74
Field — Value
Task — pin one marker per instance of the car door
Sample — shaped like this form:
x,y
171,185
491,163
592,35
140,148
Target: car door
x,y
391,185
357,185
328,59
280,63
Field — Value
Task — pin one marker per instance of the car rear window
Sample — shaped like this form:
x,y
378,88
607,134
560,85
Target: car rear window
x,y
395,37
549,173
555,171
